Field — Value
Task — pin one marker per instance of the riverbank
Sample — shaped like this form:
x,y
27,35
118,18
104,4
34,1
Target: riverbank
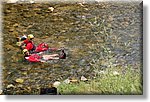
x,y
110,82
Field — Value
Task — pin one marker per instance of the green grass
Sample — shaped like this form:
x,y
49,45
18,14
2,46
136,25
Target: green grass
x,y
129,83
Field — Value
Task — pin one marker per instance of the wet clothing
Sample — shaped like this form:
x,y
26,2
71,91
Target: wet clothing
x,y
33,58
37,58
27,41
44,47
29,45
41,47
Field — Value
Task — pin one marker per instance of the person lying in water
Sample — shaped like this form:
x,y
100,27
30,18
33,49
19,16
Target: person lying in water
x,y
42,58
28,42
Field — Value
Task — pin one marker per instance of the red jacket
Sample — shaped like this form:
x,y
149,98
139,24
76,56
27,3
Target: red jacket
x,y
29,46
41,47
34,58
27,41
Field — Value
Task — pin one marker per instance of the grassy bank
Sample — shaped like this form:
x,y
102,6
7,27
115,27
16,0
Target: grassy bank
x,y
109,82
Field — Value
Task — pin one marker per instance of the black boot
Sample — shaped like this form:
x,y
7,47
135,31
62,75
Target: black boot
x,y
62,55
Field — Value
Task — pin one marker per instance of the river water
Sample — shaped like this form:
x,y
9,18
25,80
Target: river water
x,y
95,36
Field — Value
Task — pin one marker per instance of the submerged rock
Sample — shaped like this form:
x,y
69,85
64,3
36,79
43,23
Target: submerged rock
x,y
81,4
51,9
67,81
19,80
10,86
102,72
20,85
115,73
11,1
83,78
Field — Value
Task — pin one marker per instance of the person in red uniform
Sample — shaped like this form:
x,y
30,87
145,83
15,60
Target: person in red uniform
x,y
42,58
29,39
44,47
29,45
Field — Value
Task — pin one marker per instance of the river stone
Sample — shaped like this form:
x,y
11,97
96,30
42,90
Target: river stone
x,y
20,85
11,1
19,80
102,72
74,80
67,81
56,84
10,86
82,62
115,73
83,78
51,9
1,91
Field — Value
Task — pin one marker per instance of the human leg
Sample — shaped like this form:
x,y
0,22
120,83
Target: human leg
x,y
49,57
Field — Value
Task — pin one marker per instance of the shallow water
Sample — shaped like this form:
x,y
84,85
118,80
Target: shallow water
x,y
101,35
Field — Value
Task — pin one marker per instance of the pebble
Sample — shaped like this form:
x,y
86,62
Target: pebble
x,y
19,80
16,25
67,40
20,85
56,84
83,78
51,9
115,73
11,1
81,4
1,91
67,81
10,86
31,1
11,29
82,62
101,72
74,80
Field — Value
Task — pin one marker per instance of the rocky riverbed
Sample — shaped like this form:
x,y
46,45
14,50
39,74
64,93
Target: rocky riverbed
x,y
95,36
